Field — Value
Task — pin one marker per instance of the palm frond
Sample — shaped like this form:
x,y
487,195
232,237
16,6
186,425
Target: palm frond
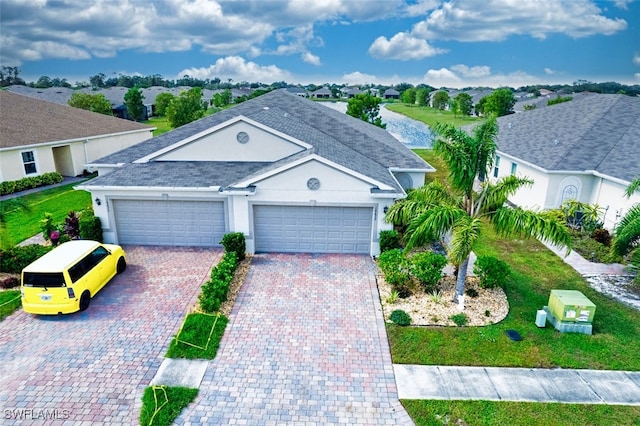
x,y
431,224
518,222
633,187
627,232
495,195
464,235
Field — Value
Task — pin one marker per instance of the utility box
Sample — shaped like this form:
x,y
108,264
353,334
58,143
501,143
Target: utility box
x,y
571,306
541,318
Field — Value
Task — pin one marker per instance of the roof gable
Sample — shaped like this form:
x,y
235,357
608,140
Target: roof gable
x,y
239,139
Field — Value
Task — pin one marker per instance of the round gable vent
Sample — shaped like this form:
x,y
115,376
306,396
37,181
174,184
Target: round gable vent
x,y
242,137
313,184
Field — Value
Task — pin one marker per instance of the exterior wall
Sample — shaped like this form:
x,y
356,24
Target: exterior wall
x,y
99,147
223,145
551,189
82,151
289,187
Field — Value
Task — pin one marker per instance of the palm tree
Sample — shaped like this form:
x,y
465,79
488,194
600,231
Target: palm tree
x,y
461,212
627,233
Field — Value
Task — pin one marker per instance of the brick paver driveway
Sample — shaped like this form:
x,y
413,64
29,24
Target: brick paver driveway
x,y
306,344
92,367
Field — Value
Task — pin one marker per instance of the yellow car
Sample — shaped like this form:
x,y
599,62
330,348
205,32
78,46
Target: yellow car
x,y
65,279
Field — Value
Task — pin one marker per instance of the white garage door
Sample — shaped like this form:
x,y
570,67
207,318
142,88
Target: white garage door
x,y
306,229
169,223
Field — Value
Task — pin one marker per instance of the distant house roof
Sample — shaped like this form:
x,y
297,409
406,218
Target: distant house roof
x,y
337,137
28,121
391,93
597,133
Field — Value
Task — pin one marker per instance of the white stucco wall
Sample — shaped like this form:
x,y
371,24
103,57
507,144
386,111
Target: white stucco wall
x,y
82,151
222,145
289,187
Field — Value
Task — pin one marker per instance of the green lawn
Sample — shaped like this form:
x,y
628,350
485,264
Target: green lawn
x,y
494,413
9,302
59,201
431,116
199,338
535,272
160,123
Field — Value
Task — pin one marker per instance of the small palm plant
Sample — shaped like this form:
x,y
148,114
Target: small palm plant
x,y
434,212
627,233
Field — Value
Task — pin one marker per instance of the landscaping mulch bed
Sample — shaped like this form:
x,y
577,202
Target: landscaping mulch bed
x,y
489,307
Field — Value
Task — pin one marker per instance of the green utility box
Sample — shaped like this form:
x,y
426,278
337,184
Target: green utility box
x,y
571,306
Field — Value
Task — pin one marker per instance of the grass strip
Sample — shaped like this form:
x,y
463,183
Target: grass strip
x,y
9,302
161,405
199,337
499,413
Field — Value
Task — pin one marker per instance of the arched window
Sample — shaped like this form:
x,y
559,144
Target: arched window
x,y
570,192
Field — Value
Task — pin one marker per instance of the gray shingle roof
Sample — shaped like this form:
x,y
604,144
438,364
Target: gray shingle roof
x,y
27,121
595,133
339,138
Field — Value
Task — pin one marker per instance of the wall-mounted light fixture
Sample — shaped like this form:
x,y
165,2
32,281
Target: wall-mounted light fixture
x,y
98,202
385,209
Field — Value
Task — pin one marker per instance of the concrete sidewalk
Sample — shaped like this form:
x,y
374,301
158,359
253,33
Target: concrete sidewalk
x,y
518,384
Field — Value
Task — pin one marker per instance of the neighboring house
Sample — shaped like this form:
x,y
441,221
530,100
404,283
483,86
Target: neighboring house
x,y
298,91
391,94
352,91
289,173
37,137
324,92
586,150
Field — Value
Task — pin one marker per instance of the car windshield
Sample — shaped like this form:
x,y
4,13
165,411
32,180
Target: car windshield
x,y
43,279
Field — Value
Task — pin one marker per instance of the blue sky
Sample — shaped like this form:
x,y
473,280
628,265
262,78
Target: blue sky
x,y
454,43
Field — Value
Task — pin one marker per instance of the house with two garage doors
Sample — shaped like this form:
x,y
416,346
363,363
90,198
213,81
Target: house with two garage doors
x,y
291,174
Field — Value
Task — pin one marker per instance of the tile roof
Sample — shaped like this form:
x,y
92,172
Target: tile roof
x,y
595,133
339,138
27,121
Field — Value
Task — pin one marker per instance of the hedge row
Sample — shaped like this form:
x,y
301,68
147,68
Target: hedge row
x,y
214,291
15,259
11,186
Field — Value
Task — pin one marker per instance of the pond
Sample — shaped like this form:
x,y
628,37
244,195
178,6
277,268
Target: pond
x,y
412,133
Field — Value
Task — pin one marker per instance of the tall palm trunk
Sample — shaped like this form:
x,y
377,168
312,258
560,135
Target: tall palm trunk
x,y
461,278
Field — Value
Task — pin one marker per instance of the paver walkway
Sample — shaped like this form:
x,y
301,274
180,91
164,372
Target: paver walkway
x,y
306,344
90,368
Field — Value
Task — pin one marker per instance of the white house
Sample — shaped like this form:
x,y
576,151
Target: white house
x,y
289,173
37,137
587,150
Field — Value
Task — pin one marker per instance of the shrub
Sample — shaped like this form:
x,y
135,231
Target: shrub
x,y
490,271
15,259
400,317
395,267
214,291
602,236
72,225
235,242
47,226
472,292
9,187
9,281
90,226
460,319
389,240
427,268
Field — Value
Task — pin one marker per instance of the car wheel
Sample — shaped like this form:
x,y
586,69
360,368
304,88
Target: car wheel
x,y
122,265
85,300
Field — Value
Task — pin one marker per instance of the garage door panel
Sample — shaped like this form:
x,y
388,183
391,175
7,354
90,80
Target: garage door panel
x,y
180,223
312,229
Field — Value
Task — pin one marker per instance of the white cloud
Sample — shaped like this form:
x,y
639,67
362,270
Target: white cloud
x,y
238,69
472,72
310,58
636,58
421,7
549,71
622,4
221,27
459,76
637,76
402,46
496,20
358,78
